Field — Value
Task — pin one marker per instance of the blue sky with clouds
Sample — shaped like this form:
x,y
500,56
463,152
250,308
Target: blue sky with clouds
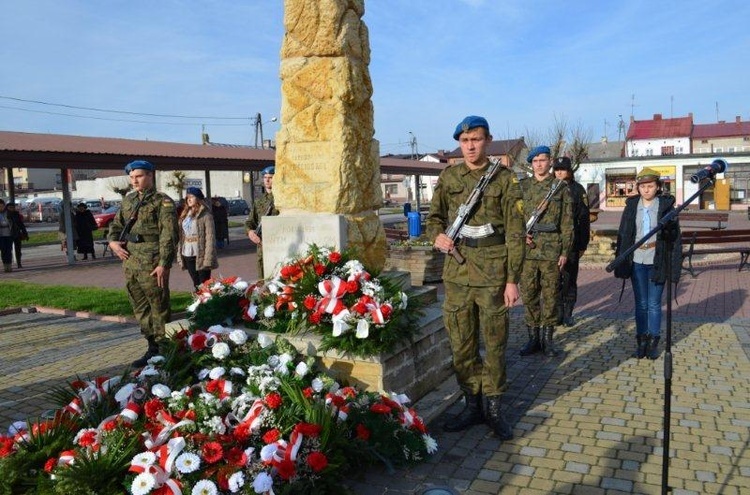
x,y
520,63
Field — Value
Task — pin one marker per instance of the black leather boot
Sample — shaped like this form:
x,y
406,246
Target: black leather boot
x,y
568,319
534,344
641,345
548,347
153,350
495,419
652,352
470,416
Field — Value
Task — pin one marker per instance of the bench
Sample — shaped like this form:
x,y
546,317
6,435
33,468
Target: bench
x,y
720,217
740,240
105,247
394,235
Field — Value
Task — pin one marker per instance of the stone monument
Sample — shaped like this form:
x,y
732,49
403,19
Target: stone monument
x,y
327,182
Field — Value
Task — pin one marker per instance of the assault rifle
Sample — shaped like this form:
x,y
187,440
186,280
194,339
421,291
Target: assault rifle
x,y
540,209
258,231
466,209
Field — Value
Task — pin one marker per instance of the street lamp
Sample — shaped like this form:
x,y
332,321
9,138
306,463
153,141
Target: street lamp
x,y
259,128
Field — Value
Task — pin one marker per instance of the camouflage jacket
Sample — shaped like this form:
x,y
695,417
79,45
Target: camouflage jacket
x,y
554,235
263,206
157,226
500,206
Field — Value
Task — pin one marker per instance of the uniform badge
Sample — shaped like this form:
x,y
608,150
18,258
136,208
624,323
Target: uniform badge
x,y
519,206
465,126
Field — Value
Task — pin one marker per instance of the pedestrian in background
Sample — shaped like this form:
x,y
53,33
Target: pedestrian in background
x,y
6,238
85,226
262,207
647,265
480,290
62,230
148,223
196,247
221,222
547,248
18,231
568,289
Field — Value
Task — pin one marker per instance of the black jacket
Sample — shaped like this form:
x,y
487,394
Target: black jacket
x,y
581,219
626,239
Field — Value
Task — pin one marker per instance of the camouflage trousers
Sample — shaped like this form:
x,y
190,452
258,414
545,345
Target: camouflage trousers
x,y
149,301
469,312
539,290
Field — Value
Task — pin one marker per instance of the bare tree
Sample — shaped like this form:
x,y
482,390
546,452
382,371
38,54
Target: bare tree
x,y
178,182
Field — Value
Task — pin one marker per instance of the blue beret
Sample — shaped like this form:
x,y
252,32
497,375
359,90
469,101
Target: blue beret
x,y
268,170
142,164
470,122
538,151
195,191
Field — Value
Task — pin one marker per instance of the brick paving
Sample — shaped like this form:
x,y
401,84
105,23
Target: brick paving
x,y
587,422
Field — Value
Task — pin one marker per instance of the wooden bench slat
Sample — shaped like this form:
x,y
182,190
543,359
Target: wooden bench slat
x,y
741,239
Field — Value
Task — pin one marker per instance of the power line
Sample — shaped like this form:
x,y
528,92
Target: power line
x,y
115,120
38,102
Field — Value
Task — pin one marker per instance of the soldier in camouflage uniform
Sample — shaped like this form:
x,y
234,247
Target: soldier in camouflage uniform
x,y
479,291
547,250
263,206
568,290
147,252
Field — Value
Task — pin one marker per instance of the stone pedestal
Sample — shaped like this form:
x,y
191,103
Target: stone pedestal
x,y
423,263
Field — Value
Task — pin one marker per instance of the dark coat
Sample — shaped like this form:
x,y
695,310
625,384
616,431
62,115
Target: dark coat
x,y
626,239
581,219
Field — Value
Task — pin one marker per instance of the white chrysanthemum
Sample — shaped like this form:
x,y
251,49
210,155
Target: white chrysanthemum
x,y
238,336
205,487
269,383
285,359
161,391
430,443
142,484
269,311
144,459
317,385
240,284
302,369
187,462
220,350
264,340
263,483
216,373
236,371
236,481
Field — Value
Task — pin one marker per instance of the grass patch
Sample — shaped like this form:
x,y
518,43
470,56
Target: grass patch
x,y
51,237
109,302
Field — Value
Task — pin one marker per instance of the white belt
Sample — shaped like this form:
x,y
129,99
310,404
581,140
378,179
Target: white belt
x,y
477,231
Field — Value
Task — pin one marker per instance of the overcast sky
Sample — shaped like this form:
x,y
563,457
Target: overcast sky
x,y
520,63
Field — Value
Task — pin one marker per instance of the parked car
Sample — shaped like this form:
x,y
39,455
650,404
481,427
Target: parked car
x,y
104,218
43,210
238,207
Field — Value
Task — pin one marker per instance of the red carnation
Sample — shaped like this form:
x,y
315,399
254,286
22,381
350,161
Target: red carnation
x,y
87,439
308,392
380,408
317,461
110,425
320,269
309,429
50,465
212,452
152,407
362,432
273,400
334,257
352,286
236,457
359,308
310,302
242,432
350,392
315,318
229,280
286,469
6,446
271,436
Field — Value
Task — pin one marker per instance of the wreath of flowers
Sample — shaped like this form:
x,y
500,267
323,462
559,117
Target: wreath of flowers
x,y
218,413
324,292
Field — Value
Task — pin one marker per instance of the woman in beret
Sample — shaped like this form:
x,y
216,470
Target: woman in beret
x,y
196,247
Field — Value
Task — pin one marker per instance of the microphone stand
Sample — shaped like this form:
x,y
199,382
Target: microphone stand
x,y
668,225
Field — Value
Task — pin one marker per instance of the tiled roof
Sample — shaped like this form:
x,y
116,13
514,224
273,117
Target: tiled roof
x,y
659,127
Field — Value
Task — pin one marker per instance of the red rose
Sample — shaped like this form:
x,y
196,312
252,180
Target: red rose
x,y
334,257
386,310
362,432
212,452
273,400
317,461
197,342
286,469
271,436
352,286
359,308
337,400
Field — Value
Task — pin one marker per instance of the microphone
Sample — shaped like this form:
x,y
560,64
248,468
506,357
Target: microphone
x,y
718,166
